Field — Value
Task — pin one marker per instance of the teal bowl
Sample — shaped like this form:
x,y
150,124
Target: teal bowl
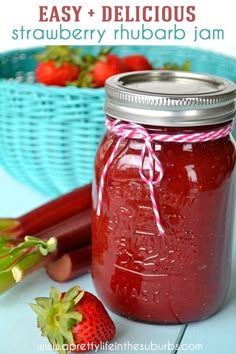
x,y
49,135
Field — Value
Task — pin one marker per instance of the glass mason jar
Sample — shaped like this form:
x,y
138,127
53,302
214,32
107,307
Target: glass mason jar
x,y
163,196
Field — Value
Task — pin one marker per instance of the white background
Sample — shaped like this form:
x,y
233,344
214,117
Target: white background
x,y
209,14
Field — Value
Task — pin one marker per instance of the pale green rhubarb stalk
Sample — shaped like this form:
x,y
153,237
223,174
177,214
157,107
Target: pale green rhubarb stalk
x,y
6,280
19,260
10,228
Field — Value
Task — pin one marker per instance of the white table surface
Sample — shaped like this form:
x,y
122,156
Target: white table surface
x,y
18,331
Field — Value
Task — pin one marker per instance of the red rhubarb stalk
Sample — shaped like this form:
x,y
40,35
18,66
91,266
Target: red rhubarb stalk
x,y
72,233
48,214
70,265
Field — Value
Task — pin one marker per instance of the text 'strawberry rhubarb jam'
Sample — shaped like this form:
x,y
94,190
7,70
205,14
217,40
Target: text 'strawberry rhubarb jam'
x,y
163,196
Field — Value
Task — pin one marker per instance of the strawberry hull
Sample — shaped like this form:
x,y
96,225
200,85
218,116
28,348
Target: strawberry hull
x,y
75,320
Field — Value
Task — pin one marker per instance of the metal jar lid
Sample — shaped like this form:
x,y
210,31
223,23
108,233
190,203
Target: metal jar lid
x,y
170,98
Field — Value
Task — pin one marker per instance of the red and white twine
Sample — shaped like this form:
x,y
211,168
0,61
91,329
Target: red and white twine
x,y
136,131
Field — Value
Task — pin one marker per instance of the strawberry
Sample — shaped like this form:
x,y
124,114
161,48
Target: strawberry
x,y
96,69
136,62
59,65
105,68
52,75
74,321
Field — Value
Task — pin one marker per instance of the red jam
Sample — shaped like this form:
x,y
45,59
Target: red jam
x,y
183,275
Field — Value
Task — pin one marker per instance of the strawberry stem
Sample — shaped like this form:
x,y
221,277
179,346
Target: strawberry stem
x,y
56,316
60,54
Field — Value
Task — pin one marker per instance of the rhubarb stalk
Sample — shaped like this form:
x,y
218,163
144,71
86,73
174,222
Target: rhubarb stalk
x,y
28,264
6,280
69,235
48,214
72,233
23,258
70,265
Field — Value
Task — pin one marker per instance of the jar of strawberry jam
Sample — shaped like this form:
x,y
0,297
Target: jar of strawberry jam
x,y
163,196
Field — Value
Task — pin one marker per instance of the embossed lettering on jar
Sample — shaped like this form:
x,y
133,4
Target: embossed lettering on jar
x,y
163,196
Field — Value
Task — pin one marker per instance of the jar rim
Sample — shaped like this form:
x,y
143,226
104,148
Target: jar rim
x,y
170,98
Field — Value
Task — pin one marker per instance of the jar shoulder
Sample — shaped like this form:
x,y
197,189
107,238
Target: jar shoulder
x,y
191,160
